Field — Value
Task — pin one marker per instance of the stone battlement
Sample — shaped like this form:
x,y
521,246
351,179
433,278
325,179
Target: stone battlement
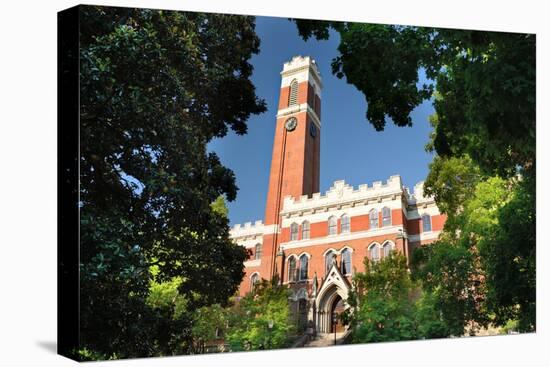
x,y
341,192
247,229
298,62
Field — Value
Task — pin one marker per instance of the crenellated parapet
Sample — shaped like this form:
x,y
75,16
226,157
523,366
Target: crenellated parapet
x,y
247,230
343,194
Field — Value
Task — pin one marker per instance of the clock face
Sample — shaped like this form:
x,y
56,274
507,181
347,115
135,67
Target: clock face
x,y
291,124
312,130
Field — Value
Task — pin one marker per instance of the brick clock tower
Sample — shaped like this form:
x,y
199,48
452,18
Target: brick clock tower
x,y
296,151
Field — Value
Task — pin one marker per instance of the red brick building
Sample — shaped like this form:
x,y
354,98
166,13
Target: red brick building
x,y
315,241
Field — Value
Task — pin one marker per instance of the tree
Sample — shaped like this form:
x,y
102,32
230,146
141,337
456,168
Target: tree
x,y
383,302
482,86
156,87
251,316
209,323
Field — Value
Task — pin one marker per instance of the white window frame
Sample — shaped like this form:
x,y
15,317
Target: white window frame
x,y
294,230
347,229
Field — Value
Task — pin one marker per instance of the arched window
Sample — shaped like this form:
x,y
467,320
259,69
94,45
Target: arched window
x,y
293,93
373,216
294,231
292,275
346,262
426,223
254,279
332,225
328,260
258,251
344,224
387,249
305,230
386,216
303,267
374,252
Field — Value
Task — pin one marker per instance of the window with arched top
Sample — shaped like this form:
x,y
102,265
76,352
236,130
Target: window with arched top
x,y
426,223
328,260
374,252
373,216
294,231
386,216
254,279
303,267
292,275
305,230
344,224
293,93
387,249
346,261
258,251
332,225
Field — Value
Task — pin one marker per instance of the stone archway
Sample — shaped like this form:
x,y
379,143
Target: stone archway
x,y
335,288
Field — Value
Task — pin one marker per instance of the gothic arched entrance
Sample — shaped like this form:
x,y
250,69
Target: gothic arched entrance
x,y
331,298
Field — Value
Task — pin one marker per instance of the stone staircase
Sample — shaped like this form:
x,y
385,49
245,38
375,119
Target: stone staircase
x,y
326,340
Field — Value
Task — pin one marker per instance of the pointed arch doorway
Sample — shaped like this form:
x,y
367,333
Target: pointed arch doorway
x,y
330,299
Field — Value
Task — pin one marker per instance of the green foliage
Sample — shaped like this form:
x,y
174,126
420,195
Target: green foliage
x,y
451,181
250,317
166,295
219,206
483,268
482,86
508,254
384,305
452,284
388,305
208,323
156,86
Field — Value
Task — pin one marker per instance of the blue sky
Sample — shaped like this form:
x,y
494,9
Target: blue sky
x,y
351,149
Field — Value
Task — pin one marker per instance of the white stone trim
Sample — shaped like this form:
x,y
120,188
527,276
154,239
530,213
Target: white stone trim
x,y
272,229
303,66
341,194
249,243
246,230
424,236
346,247
252,263
298,108
331,249
341,237
417,212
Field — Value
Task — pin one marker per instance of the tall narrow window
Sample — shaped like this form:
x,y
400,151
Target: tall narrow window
x,y
254,281
387,249
346,262
426,223
386,216
258,251
373,216
332,225
344,224
303,267
374,252
328,260
292,269
293,94
294,231
305,230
